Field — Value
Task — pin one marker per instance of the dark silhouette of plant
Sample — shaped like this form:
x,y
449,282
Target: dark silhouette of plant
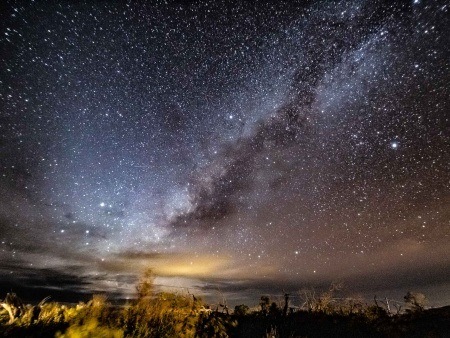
x,y
145,285
217,325
416,301
241,310
264,303
274,310
286,303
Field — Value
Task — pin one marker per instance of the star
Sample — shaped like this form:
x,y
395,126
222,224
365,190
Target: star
x,y
394,145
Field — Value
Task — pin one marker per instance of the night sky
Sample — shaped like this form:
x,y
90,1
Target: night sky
x,y
235,148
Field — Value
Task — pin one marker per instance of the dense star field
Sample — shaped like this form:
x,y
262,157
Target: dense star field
x,y
240,147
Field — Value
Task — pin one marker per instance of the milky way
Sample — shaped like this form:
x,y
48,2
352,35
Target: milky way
x,y
246,147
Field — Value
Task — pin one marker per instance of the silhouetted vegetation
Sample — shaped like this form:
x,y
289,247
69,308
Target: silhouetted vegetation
x,y
173,315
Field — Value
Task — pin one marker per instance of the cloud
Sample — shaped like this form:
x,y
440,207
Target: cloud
x,y
36,283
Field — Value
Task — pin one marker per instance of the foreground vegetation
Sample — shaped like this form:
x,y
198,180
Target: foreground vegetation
x,y
173,315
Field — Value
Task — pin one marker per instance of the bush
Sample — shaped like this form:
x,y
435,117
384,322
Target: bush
x,y
241,310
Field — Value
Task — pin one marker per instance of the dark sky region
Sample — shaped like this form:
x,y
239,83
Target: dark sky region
x,y
236,148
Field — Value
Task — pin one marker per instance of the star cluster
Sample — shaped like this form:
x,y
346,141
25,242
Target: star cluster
x,y
249,144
